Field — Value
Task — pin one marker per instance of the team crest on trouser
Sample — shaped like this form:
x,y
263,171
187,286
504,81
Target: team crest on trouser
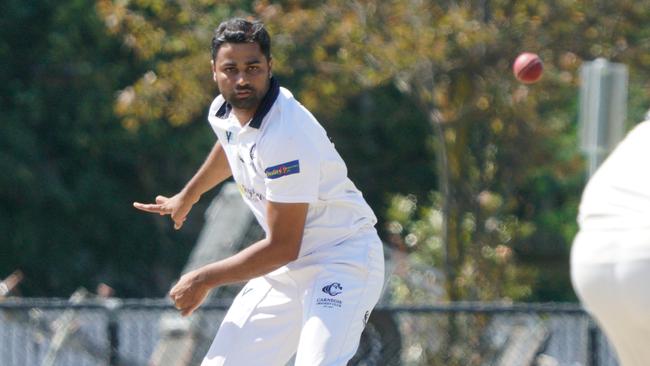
x,y
333,289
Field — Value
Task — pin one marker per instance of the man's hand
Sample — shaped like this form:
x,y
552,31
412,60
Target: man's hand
x,y
177,206
188,293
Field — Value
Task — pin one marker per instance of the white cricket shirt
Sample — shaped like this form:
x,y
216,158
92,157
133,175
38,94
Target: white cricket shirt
x,y
618,195
284,155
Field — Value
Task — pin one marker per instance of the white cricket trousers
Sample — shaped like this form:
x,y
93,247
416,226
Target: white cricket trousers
x,y
315,307
610,271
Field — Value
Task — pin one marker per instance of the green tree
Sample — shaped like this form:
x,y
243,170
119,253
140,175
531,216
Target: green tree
x,y
496,140
450,60
71,168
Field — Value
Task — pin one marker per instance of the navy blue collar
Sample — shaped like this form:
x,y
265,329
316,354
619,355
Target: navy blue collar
x,y
262,109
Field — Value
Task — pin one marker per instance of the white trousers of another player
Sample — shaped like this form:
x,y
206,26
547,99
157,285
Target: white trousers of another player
x,y
315,307
610,271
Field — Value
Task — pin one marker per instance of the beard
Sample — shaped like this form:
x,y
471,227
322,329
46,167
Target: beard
x,y
252,101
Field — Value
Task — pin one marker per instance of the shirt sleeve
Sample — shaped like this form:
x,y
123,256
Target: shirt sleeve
x,y
291,168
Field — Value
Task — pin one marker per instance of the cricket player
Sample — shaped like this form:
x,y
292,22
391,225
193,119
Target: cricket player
x,y
318,273
610,257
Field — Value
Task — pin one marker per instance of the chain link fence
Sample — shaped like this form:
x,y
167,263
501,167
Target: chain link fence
x,y
73,332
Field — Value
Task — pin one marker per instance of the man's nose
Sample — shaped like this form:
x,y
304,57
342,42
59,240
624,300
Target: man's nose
x,y
242,78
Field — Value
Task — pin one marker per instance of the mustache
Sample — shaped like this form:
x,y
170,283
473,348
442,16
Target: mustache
x,y
244,88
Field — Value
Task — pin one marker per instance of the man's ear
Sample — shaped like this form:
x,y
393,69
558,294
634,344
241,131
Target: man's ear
x,y
270,67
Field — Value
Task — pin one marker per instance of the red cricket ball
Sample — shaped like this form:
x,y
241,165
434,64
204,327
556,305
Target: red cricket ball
x,y
528,67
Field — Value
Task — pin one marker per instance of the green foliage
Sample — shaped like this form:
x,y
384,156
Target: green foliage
x,y
386,146
72,170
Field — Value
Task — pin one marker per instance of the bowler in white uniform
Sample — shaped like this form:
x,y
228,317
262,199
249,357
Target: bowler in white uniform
x,y
318,273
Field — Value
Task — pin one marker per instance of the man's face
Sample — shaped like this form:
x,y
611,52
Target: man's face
x,y
242,73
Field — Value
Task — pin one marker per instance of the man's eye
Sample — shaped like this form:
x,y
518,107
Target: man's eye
x,y
230,70
253,68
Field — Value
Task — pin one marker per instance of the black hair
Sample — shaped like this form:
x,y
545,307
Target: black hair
x,y
238,30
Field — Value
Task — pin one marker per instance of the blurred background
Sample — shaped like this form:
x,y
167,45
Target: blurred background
x,y
475,177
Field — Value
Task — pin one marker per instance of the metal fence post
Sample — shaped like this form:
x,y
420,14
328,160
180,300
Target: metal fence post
x,y
112,307
592,344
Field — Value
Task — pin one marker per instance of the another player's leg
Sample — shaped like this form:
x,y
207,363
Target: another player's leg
x,y
613,288
632,313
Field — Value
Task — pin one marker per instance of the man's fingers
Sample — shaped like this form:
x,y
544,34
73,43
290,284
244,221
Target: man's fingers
x,y
151,207
179,223
189,310
161,199
175,300
182,306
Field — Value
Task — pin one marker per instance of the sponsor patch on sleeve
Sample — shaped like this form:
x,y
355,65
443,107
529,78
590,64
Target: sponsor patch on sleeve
x,y
288,168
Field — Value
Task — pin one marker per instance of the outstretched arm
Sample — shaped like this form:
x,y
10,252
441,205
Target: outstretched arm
x,y
286,226
214,170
